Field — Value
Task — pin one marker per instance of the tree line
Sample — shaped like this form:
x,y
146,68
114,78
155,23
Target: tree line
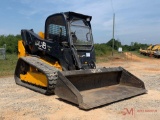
x,y
106,48
11,42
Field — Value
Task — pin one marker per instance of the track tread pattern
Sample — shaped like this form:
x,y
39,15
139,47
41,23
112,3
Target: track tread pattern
x,y
49,71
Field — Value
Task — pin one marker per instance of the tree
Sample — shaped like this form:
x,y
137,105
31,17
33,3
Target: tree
x,y
11,42
117,43
135,46
102,49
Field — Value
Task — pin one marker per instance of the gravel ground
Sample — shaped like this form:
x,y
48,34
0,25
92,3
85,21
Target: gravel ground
x,y
19,103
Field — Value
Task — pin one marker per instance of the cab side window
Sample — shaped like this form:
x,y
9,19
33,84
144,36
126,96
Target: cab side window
x,y
56,29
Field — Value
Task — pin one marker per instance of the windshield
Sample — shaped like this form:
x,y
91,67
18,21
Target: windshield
x,y
80,32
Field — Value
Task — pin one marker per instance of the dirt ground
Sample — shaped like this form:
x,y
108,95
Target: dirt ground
x,y
19,103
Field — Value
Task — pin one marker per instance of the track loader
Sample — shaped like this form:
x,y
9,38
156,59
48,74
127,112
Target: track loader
x,y
154,48
146,51
61,61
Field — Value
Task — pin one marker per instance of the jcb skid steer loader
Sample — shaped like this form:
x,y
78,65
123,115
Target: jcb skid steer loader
x,y
61,61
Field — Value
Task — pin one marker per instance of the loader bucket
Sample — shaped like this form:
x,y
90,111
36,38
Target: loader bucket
x,y
95,87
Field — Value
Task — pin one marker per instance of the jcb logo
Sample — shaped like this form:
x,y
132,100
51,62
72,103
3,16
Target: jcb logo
x,y
128,111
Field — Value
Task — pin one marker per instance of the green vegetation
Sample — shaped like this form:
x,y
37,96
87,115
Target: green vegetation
x,y
102,49
106,48
7,66
138,54
11,42
134,46
117,44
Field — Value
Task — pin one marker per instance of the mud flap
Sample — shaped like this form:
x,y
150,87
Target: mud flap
x,y
96,87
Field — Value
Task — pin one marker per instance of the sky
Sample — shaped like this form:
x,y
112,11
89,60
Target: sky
x,y
135,20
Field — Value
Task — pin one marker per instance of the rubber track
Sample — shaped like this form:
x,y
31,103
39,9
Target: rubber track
x,y
49,71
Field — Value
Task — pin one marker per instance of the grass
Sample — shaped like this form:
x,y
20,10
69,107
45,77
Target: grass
x,y
108,57
139,55
7,66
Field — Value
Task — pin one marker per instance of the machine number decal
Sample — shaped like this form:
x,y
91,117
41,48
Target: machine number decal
x,y
88,54
40,44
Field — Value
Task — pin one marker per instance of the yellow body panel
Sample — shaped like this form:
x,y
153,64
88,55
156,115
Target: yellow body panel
x,y
41,34
149,47
145,51
21,49
156,47
141,50
56,64
35,78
